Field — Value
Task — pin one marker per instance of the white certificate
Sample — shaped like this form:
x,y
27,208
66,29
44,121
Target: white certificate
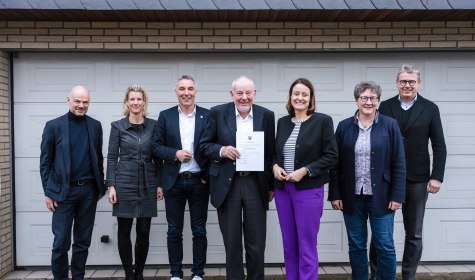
x,y
250,145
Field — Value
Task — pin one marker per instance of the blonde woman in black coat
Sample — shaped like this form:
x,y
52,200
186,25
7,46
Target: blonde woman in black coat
x,y
132,178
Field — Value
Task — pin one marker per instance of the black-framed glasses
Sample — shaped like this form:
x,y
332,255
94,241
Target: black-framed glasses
x,y
410,82
365,99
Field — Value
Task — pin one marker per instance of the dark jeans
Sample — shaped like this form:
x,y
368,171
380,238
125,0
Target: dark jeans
x,y
413,211
197,195
80,208
124,243
382,228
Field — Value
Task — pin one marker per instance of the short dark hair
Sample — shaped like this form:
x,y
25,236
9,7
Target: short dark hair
x,y
311,105
363,86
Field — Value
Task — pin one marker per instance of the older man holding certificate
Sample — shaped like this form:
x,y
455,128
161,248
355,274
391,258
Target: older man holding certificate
x,y
241,195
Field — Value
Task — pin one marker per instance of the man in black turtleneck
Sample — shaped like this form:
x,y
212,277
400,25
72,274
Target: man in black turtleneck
x,y
71,167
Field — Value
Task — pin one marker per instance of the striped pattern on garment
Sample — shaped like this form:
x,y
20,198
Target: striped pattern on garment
x,y
289,149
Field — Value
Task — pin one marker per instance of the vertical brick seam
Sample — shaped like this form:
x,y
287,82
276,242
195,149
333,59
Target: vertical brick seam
x,y
5,198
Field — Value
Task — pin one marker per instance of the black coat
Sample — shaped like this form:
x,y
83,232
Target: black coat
x,y
167,141
132,170
315,149
55,158
423,124
221,131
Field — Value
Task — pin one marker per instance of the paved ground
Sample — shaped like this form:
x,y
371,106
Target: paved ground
x,y
326,272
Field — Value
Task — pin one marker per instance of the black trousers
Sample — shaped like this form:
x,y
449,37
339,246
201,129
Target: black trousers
x,y
413,211
124,243
244,210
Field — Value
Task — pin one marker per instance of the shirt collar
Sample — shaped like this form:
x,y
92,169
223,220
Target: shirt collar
x,y
190,115
407,106
237,112
376,118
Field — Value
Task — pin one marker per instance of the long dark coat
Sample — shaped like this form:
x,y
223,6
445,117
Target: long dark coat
x,y
132,170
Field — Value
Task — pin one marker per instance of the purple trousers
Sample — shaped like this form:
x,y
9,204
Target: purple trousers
x,y
299,214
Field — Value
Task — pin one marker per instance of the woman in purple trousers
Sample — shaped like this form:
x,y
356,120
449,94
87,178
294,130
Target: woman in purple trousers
x,y
305,151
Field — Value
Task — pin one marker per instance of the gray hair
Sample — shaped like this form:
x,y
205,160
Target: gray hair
x,y
363,86
185,77
242,78
410,69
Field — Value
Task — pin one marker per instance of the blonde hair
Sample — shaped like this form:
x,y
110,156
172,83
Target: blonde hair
x,y
137,88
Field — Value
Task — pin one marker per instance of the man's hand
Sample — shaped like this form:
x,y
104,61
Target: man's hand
x,y
51,204
337,204
393,205
433,186
183,156
230,152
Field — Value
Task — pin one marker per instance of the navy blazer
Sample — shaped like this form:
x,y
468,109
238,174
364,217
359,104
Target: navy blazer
x,y
167,141
388,166
315,149
55,158
423,124
221,131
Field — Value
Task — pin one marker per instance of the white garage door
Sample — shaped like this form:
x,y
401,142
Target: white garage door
x,y
42,81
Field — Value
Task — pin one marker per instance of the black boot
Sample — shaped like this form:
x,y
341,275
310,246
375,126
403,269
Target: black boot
x,y
129,272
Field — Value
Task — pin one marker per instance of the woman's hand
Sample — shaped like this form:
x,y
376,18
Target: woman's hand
x,y
337,204
112,195
297,175
159,193
279,172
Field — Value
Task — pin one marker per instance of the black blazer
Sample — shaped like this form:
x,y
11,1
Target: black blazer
x,y
315,149
167,141
221,131
55,158
388,168
423,124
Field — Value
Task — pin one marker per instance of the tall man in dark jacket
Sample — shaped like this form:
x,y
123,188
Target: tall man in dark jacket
x,y
241,198
184,176
419,121
71,167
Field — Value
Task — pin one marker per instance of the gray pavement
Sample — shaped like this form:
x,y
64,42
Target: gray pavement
x,y
326,272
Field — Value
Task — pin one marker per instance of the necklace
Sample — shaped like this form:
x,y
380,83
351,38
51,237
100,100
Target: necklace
x,y
366,124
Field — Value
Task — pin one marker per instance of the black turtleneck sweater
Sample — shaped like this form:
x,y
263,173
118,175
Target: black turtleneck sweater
x,y
79,148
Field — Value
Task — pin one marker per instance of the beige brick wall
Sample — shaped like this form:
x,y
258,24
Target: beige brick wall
x,y
5,197
246,36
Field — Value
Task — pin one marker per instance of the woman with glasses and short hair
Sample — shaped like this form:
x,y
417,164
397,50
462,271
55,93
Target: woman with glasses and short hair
x,y
369,181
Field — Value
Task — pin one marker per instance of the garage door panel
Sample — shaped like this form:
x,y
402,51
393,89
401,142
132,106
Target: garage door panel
x,y
326,76
30,196
46,81
448,235
152,75
457,189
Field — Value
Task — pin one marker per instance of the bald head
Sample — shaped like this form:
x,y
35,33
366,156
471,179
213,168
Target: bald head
x,y
78,100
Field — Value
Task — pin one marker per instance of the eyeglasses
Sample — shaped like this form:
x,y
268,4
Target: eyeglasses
x,y
365,99
410,82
